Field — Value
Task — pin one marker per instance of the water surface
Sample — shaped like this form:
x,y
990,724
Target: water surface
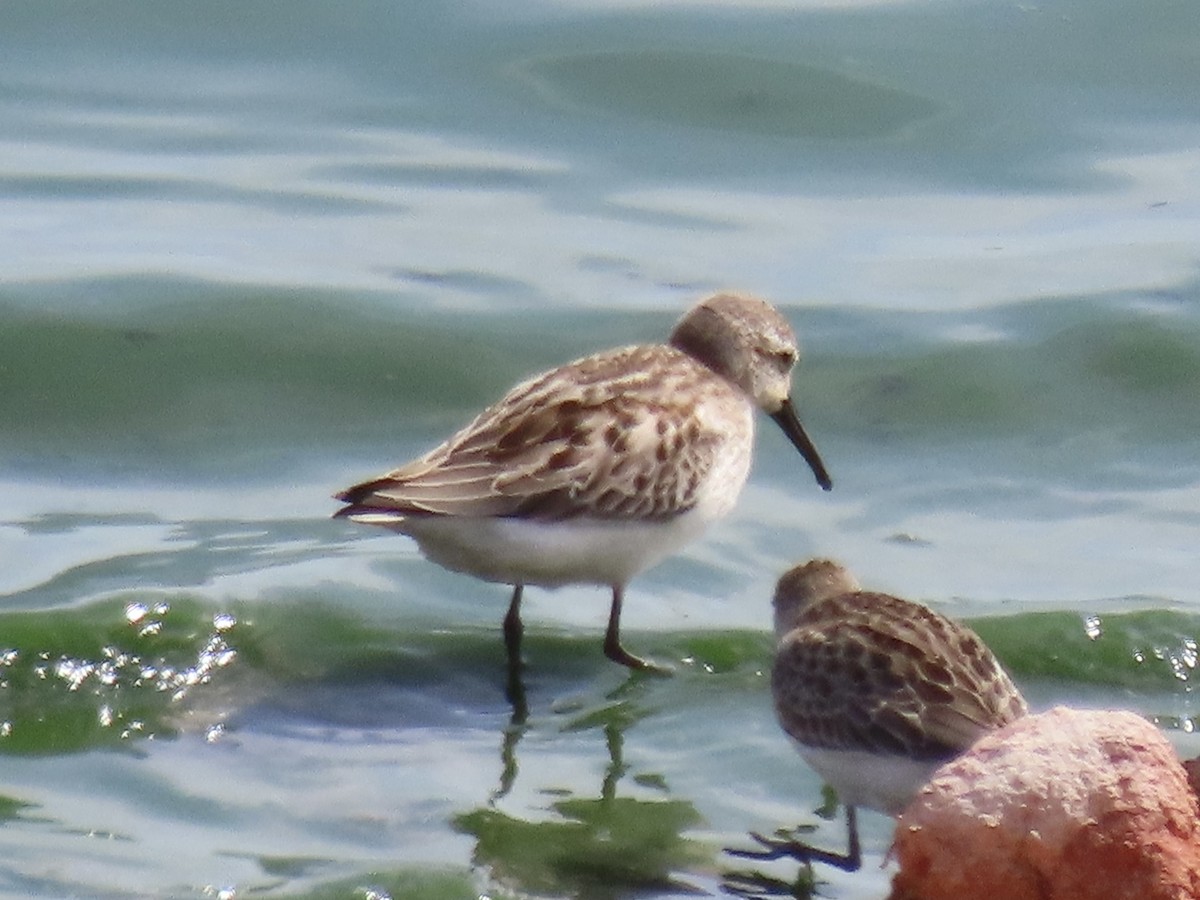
x,y
254,252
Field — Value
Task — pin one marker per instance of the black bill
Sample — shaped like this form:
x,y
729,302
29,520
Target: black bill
x,y
790,423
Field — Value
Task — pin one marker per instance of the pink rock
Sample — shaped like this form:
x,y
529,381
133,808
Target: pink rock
x,y
1065,805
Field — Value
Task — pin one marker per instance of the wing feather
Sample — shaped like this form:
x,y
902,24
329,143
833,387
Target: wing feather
x,y
601,437
889,675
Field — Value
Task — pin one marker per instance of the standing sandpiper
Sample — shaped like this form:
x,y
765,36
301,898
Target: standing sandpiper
x,y
876,692
597,470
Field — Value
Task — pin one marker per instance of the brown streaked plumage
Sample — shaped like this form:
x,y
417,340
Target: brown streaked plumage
x,y
594,471
603,437
876,692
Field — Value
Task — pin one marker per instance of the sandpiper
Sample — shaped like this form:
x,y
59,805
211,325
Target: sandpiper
x,y
597,470
876,692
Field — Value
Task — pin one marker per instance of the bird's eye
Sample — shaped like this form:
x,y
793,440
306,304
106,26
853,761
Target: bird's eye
x,y
784,358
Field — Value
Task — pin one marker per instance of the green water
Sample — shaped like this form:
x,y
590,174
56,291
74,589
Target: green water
x,y
252,253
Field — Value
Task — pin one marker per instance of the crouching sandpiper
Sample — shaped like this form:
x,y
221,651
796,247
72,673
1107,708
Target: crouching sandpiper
x,y
876,693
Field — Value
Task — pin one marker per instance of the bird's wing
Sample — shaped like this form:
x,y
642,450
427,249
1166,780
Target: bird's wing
x,y
982,696
602,437
916,686
819,700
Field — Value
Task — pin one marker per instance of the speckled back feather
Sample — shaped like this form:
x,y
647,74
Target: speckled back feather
x,y
869,671
599,437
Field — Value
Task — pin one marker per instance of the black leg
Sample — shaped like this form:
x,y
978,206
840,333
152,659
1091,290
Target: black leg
x,y
513,629
786,845
854,851
612,639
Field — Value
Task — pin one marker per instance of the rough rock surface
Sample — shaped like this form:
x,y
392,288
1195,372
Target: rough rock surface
x,y
1064,805
1192,767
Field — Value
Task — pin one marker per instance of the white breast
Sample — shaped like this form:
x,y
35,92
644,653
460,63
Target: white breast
x,y
883,782
552,554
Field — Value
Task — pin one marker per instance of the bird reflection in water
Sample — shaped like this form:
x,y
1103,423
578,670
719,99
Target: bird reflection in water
x,y
754,885
599,846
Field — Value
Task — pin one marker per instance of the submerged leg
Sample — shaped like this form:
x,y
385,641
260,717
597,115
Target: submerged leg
x,y
612,639
513,629
780,847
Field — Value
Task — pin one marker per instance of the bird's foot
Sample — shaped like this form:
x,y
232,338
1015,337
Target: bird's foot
x,y
785,843
620,655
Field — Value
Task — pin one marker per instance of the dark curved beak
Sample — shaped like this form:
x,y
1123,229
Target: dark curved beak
x,y
787,420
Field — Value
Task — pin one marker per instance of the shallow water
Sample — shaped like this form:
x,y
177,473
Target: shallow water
x,y
254,252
